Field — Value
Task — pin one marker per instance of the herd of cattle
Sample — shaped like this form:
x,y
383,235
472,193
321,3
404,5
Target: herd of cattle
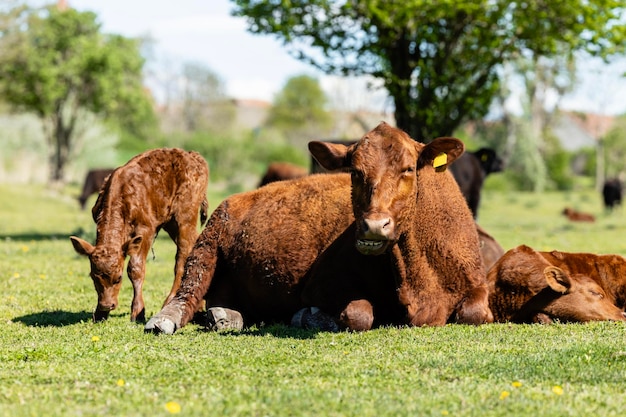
x,y
387,236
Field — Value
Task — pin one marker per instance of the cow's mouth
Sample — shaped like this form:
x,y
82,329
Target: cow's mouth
x,y
371,247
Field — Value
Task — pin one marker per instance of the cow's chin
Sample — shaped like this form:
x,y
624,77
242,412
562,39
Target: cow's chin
x,y
372,247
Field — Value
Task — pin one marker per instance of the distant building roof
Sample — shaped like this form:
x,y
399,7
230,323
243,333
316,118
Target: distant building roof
x,y
581,130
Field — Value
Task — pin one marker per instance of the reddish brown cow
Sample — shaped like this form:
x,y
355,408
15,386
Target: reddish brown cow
x,y
490,249
258,247
160,188
578,216
607,270
525,288
280,171
93,183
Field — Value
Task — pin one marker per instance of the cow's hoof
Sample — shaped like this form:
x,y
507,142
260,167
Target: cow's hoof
x,y
219,318
159,325
314,318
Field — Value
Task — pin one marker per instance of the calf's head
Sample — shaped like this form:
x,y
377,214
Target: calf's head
x,y
575,298
107,266
385,166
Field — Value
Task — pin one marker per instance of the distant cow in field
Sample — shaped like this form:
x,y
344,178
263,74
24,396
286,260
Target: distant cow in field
x,y
258,248
578,216
160,188
612,193
470,172
279,171
93,183
525,287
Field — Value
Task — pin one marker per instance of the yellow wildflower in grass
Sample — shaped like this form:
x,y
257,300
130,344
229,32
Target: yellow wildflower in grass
x,y
42,276
95,338
517,384
558,390
16,275
120,382
504,394
24,248
444,412
173,407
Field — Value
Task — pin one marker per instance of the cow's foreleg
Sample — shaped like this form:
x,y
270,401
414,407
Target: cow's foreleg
x,y
136,273
474,309
185,236
358,315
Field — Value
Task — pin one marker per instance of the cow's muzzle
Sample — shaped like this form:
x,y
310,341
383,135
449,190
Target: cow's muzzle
x,y
375,235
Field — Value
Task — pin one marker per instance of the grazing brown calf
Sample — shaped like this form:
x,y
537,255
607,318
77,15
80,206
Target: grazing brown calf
x,y
577,216
93,183
256,251
160,188
607,270
526,288
280,171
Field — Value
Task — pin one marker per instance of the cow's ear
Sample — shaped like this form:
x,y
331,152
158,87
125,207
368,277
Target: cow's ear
x,y
440,153
557,279
81,246
331,156
132,246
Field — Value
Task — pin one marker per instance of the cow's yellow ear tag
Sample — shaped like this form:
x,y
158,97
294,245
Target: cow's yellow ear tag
x,y
440,162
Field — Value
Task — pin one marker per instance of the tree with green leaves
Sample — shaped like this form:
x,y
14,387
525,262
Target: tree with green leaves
x,y
440,61
56,63
299,110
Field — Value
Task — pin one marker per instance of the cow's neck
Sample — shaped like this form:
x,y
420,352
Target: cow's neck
x,y
112,229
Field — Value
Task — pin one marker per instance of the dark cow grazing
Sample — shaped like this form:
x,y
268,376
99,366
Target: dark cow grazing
x,y
526,288
258,248
280,171
607,270
612,193
470,172
490,249
578,216
93,183
161,188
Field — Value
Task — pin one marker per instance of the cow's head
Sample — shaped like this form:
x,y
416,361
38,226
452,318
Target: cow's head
x,y
385,166
107,266
575,298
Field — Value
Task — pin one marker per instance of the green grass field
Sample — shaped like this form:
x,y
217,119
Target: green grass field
x,y
55,362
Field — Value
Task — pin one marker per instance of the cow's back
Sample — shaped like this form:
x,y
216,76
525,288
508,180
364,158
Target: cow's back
x,y
153,186
269,238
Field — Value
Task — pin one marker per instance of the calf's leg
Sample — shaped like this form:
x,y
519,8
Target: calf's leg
x,y
474,309
137,250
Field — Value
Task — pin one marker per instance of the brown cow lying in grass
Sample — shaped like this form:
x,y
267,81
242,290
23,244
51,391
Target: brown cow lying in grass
x,y
280,171
578,216
161,188
607,270
526,288
490,249
258,247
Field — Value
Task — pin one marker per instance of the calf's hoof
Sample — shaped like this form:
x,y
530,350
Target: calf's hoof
x,y
314,318
219,318
159,325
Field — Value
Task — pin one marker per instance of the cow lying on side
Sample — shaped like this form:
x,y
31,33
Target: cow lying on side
x,y
280,171
93,183
526,288
577,216
161,188
607,270
257,248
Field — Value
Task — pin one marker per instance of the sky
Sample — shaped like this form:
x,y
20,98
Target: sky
x,y
258,66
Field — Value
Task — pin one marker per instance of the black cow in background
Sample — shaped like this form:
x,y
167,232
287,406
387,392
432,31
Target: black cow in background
x,y
612,193
93,182
470,171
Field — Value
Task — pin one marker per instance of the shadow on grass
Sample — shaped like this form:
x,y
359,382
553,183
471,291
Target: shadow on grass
x,y
57,318
275,329
35,236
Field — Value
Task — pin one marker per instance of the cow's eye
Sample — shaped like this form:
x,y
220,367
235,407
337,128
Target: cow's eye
x,y
408,171
596,294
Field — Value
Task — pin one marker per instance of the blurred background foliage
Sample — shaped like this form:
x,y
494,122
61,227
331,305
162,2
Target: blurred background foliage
x,y
107,125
